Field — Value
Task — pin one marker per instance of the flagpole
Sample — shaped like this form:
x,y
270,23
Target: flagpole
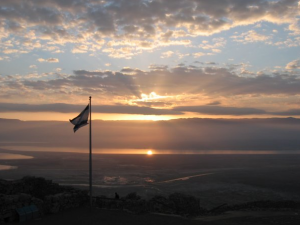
x,y
91,153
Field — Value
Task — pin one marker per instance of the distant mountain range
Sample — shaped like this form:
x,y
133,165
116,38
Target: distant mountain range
x,y
182,134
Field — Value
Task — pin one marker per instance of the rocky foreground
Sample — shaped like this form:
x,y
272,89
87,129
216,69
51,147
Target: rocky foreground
x,y
51,198
47,196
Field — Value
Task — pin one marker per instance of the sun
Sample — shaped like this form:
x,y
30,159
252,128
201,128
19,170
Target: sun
x,y
149,152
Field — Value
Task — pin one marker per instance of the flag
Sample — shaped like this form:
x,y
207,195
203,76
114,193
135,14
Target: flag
x,y
82,119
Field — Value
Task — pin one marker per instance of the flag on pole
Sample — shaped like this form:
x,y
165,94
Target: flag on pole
x,y
82,119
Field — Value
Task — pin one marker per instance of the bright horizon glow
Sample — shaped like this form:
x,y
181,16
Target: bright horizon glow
x,y
142,151
51,116
149,152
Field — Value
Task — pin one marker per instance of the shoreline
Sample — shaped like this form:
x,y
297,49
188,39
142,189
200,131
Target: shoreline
x,y
234,179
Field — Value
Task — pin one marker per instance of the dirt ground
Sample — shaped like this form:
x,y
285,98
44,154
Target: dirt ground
x,y
110,217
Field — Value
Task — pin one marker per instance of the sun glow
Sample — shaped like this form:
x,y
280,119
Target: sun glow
x,y
149,152
150,97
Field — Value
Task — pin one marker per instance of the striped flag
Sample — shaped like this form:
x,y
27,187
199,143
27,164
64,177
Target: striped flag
x,y
82,119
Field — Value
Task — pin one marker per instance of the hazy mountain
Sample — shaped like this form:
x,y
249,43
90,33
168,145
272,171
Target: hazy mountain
x,y
182,134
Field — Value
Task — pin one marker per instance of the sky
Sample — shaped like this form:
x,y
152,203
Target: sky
x,y
149,59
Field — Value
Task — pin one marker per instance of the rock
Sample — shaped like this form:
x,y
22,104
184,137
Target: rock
x,y
185,205
135,206
46,195
132,196
177,203
161,204
62,201
109,203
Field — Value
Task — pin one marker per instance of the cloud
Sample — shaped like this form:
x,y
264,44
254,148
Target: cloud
x,y
10,51
290,112
250,36
214,103
289,42
214,109
153,104
199,54
32,67
214,44
123,52
158,67
167,54
80,49
91,73
67,108
216,50
131,71
50,60
293,65
140,24
106,83
130,83
220,110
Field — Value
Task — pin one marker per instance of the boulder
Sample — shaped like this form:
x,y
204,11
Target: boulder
x,y
161,204
185,205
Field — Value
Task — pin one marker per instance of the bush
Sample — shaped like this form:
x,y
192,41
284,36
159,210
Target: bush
x,y
185,205
133,196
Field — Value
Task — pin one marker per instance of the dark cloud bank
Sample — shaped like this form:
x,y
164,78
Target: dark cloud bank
x,y
68,108
143,110
52,17
174,81
183,134
219,110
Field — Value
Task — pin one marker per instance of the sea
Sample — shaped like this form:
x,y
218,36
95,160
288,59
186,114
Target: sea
x,y
215,177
